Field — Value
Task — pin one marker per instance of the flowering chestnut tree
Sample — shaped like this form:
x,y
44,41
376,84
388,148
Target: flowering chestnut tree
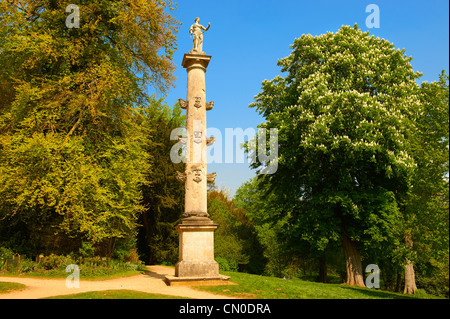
x,y
345,109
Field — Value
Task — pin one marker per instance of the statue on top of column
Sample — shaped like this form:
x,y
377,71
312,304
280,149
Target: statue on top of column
x,y
197,31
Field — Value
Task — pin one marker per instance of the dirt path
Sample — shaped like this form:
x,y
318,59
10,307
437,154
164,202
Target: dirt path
x,y
151,282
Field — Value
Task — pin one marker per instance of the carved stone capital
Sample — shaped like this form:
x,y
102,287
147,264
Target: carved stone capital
x,y
196,61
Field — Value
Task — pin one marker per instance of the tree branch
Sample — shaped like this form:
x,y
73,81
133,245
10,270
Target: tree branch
x,y
73,128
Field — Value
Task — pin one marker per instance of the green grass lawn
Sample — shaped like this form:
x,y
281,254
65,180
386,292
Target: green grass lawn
x,y
8,286
252,287
261,287
115,294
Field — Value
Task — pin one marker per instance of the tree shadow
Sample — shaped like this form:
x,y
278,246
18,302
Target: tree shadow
x,y
154,274
379,294
160,274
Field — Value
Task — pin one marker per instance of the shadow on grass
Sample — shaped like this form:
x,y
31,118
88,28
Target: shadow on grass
x,y
381,294
6,287
116,294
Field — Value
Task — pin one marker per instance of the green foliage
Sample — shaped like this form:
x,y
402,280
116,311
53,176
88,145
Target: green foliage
x,y
162,193
227,243
125,249
434,281
235,240
72,159
428,206
274,251
344,112
356,139
55,265
27,265
86,250
257,202
227,265
56,262
266,213
5,255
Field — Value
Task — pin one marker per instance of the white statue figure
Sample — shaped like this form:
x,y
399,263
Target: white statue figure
x,y
197,31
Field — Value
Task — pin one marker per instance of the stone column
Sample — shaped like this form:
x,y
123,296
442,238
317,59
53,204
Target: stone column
x,y
196,171
196,262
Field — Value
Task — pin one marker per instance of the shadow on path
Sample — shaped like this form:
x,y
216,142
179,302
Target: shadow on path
x,y
159,272
154,274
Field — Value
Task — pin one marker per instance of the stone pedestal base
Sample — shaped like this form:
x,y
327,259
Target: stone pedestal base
x,y
196,269
196,263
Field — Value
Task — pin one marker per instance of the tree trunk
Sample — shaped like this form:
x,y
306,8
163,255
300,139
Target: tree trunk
x,y
398,286
323,269
410,278
352,262
147,236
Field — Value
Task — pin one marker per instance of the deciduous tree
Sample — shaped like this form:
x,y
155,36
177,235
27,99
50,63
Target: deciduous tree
x,y
163,194
428,205
345,108
71,155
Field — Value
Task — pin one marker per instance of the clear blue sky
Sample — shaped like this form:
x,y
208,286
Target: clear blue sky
x,y
247,37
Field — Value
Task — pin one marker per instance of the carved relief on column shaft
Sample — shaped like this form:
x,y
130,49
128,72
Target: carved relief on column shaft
x,y
197,172
183,104
211,178
210,140
181,177
196,139
198,102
